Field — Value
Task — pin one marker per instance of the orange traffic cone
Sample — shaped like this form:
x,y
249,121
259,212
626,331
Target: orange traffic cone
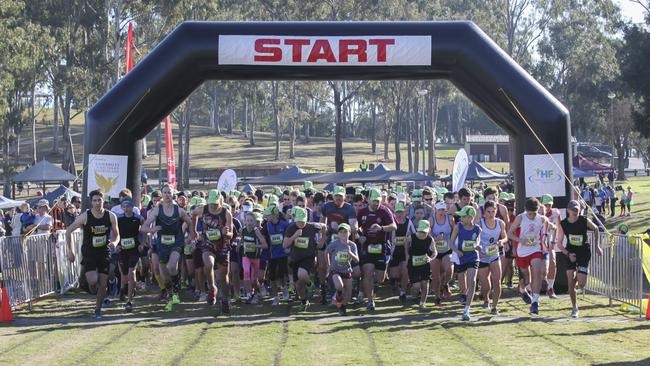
x,y
5,309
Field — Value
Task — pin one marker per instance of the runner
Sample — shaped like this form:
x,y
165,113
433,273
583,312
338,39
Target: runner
x,y
252,242
493,237
553,215
577,249
100,236
273,231
128,250
197,205
529,249
397,269
419,252
300,238
467,237
374,222
216,225
442,227
341,252
169,219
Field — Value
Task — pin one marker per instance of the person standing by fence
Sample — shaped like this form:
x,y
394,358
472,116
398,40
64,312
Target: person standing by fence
x,y
100,236
42,220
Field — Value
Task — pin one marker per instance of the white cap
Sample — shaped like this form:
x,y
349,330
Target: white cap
x,y
441,206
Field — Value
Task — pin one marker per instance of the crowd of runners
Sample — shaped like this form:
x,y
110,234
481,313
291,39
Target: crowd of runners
x,y
302,244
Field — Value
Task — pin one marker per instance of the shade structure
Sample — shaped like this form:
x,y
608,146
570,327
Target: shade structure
x,y
579,173
248,188
44,171
56,194
9,203
476,171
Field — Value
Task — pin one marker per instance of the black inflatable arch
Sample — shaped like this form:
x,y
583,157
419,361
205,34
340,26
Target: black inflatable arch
x,y
460,52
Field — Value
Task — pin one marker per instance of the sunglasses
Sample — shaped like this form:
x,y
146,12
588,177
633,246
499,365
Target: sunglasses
x,y
428,199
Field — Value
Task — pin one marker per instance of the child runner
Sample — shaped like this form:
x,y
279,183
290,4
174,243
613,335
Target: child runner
x,y
493,237
466,243
397,266
128,256
443,225
419,252
273,231
252,241
341,253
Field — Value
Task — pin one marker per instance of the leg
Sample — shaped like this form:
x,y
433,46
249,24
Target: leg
x,y
222,277
246,264
208,265
424,287
436,267
495,278
92,277
571,282
131,279
471,286
234,277
101,290
301,284
484,281
347,292
403,277
368,280
552,271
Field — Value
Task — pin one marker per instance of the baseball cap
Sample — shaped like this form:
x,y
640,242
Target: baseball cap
x,y
504,196
146,199
271,210
358,190
573,205
195,201
235,193
623,228
423,226
416,196
338,191
276,191
257,207
375,195
127,201
344,226
441,206
273,200
213,197
257,216
547,199
466,211
399,207
300,214
308,184
43,202
441,190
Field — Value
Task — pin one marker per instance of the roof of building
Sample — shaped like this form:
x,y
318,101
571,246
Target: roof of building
x,y
501,139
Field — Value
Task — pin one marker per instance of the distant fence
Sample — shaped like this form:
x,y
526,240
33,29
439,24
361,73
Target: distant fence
x,y
36,266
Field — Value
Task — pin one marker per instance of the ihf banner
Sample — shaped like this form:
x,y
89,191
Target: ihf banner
x,y
325,50
544,174
107,172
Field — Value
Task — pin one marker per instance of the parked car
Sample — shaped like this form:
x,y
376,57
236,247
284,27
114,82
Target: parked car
x,y
593,152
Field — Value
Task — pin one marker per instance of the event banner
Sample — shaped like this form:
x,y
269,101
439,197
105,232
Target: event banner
x,y
459,170
325,50
544,174
107,172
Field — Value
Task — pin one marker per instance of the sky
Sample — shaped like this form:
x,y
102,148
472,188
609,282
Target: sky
x,y
631,10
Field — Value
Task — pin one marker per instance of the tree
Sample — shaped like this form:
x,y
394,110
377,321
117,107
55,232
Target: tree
x,y
634,59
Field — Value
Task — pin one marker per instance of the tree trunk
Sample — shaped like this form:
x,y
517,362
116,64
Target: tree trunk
x,y
6,167
398,153
244,117
118,44
294,121
415,130
431,132
33,120
68,155
373,129
55,125
386,136
621,147
252,118
231,118
276,117
409,132
338,130
214,111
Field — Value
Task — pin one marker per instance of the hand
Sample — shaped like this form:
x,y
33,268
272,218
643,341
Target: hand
x,y
429,259
478,247
298,233
375,228
112,245
157,228
71,256
599,250
572,257
458,253
334,225
118,248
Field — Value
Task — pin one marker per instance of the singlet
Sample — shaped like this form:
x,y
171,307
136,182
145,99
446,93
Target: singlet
x,y
250,243
129,231
211,225
97,231
275,237
490,241
172,227
576,234
498,215
531,229
466,243
418,252
400,233
442,241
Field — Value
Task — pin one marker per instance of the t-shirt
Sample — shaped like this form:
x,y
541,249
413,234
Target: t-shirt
x,y
41,221
340,260
305,245
336,214
366,219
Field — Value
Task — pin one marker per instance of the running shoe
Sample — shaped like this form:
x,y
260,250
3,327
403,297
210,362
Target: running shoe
x,y
263,291
342,310
466,316
203,297
276,301
509,285
486,305
211,297
285,293
370,306
360,296
534,308
98,314
249,298
402,298
106,303
305,305
463,299
175,299
339,298
169,306
225,307
495,311
164,296
526,297
446,293
421,307
575,313
256,299
437,301
551,293
128,307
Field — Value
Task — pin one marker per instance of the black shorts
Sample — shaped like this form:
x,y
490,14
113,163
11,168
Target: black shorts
x,y
220,252
197,258
96,260
277,268
460,268
379,260
399,256
487,264
509,253
343,275
306,263
128,259
583,257
421,273
443,254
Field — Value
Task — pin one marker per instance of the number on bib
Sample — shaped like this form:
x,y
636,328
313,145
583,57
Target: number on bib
x,y
491,249
276,239
575,240
342,256
99,241
302,242
213,235
469,245
128,243
187,250
441,245
400,240
168,239
375,248
419,260
249,247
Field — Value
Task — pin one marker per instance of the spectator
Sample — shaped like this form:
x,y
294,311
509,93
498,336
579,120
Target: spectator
x,y
76,201
628,201
70,214
2,224
612,200
8,216
16,224
57,213
117,209
42,220
26,219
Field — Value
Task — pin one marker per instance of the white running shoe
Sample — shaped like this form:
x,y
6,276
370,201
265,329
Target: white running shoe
x,y
203,297
575,313
263,291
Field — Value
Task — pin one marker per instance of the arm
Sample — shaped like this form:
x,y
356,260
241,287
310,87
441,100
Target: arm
x,y
452,241
188,222
353,253
323,236
79,222
594,228
559,235
228,227
503,237
407,247
261,238
513,227
288,241
151,218
115,232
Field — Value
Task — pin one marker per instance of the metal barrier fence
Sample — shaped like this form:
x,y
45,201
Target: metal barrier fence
x,y
618,273
36,266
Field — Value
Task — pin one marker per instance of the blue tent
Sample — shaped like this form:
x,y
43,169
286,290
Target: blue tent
x,y
44,171
293,175
476,171
56,194
578,173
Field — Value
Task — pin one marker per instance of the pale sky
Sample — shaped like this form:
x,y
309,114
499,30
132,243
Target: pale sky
x,y
632,11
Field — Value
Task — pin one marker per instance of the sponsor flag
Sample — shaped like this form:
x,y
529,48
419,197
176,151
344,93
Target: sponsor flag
x,y
169,144
459,170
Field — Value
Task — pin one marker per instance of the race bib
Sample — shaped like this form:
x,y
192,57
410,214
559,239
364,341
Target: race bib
x,y
400,240
187,250
249,247
213,235
342,257
533,241
302,242
575,240
491,249
99,241
168,239
276,239
469,245
441,245
128,243
375,248
419,260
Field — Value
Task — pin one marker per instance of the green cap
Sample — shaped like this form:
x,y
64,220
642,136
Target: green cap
x,y
623,228
273,200
257,207
511,197
289,188
344,226
213,197
399,207
271,210
423,226
547,199
416,196
338,191
202,201
358,190
308,185
466,211
258,216
375,195
146,199
441,190
300,214
504,196
235,193
195,201
400,189
276,191
481,200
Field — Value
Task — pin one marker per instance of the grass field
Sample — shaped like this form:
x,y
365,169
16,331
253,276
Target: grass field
x,y
61,331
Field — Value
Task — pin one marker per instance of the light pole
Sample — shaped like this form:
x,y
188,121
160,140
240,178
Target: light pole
x,y
422,93
611,96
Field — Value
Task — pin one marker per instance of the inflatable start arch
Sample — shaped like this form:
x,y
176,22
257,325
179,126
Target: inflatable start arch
x,y
457,51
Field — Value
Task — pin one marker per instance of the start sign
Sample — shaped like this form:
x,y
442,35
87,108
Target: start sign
x,y
325,50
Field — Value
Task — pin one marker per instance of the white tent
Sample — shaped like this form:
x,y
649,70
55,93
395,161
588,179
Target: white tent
x,y
7,203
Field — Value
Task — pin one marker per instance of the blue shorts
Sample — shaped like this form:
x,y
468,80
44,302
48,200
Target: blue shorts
x,y
465,266
165,251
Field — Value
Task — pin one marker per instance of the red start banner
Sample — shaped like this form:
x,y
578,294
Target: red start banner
x,y
325,50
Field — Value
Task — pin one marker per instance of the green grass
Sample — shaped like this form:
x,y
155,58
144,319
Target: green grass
x,y
60,331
